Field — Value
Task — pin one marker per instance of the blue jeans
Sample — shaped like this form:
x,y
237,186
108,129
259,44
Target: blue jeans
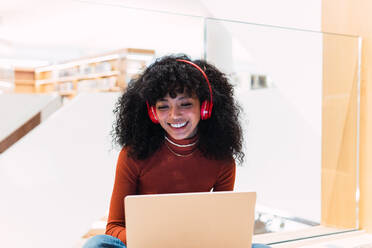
x,y
107,241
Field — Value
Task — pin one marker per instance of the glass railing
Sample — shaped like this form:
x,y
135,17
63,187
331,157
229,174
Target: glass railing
x,y
299,93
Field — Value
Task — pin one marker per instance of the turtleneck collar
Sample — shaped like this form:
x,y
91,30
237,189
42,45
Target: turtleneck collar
x,y
184,146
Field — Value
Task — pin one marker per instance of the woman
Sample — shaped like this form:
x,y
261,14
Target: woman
x,y
178,126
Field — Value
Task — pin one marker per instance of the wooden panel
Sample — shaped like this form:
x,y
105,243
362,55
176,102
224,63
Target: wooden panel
x,y
43,75
353,17
137,50
365,172
24,75
24,80
339,131
24,88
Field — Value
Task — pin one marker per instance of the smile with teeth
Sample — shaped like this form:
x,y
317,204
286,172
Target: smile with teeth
x,y
178,125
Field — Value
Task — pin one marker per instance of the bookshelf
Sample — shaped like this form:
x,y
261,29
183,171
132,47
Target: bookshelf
x,y
24,80
105,72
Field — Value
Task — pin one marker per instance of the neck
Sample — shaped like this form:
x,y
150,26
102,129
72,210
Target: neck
x,y
180,145
183,147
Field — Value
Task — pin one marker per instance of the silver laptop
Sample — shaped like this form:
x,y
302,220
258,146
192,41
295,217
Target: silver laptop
x,y
190,220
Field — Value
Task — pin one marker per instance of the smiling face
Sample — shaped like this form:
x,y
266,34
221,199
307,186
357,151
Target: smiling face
x,y
179,116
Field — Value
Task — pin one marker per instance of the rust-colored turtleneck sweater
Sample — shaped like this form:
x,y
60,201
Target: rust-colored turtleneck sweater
x,y
165,172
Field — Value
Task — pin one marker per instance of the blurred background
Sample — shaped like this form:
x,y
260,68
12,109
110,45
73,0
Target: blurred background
x,y
63,65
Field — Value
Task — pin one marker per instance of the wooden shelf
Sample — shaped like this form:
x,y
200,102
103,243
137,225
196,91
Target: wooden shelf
x,y
114,89
24,80
68,93
107,72
78,78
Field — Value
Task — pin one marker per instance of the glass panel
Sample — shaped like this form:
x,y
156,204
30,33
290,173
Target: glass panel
x,y
298,91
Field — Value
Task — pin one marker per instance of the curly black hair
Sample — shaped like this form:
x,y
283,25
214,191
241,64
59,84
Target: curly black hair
x,y
220,136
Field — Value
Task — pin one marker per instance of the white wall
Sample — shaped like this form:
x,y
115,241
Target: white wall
x,y
57,180
17,109
282,124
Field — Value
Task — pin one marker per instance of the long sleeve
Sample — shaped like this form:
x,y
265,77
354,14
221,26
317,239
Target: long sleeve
x,y
226,178
126,180
161,173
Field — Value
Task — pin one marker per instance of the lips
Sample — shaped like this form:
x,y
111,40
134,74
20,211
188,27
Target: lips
x,y
178,125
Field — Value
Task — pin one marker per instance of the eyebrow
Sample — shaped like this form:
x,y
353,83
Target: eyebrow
x,y
181,98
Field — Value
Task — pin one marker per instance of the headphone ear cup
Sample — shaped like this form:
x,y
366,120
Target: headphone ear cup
x,y
152,113
205,110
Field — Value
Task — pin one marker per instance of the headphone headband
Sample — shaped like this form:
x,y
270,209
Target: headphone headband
x,y
204,75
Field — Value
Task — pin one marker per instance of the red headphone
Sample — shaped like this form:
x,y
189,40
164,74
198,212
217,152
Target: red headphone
x,y
205,108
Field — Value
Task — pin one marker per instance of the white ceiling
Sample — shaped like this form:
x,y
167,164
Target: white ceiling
x,y
55,30
59,30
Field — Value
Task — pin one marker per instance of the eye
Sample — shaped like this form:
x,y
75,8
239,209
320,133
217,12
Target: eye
x,y
162,107
186,104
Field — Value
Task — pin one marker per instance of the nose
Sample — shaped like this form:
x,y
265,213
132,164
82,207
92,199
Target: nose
x,y
174,113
